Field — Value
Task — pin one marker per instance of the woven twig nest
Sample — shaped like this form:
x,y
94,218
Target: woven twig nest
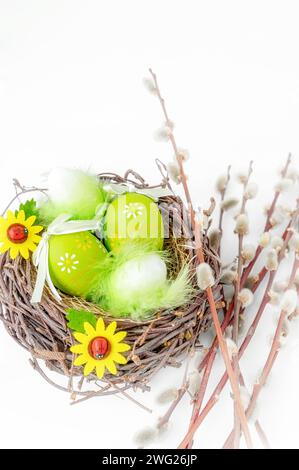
x,y
163,340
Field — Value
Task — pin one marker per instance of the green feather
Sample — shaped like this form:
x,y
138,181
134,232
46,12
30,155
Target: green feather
x,y
144,303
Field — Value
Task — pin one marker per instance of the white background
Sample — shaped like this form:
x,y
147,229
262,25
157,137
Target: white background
x,y
71,93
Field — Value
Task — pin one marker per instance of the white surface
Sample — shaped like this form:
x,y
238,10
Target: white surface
x,y
71,94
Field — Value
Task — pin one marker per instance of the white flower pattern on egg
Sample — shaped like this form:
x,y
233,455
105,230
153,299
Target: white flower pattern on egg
x,y
68,262
133,209
83,243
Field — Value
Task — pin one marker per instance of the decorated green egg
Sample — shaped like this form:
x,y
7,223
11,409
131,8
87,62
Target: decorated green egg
x,y
74,261
133,217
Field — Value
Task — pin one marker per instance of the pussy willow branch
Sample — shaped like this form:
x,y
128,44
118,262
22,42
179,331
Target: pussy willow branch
x,y
201,259
221,213
277,194
237,303
250,266
228,315
226,358
180,393
268,224
218,389
211,355
230,443
274,351
179,158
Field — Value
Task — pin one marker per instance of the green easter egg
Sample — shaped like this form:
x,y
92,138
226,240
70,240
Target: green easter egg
x,y
133,217
73,259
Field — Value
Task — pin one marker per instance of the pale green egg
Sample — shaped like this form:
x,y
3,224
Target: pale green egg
x,y
133,217
74,261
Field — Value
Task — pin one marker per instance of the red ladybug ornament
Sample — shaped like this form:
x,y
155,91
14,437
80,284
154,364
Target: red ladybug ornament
x,y
17,233
99,347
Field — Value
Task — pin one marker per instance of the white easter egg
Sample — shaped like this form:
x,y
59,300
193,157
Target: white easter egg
x,y
74,191
141,274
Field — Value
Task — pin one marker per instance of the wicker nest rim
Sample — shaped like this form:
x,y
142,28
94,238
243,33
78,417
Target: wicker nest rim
x,y
162,340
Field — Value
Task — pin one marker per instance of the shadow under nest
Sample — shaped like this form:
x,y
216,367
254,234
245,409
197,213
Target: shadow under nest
x,y
163,340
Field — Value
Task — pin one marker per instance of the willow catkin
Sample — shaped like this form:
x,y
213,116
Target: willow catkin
x,y
194,380
245,297
242,225
274,297
229,292
271,260
292,174
265,239
242,177
251,281
183,154
286,327
280,286
163,134
167,396
277,218
251,190
277,243
283,185
174,172
294,242
150,85
215,237
229,204
289,301
221,183
248,252
228,277
145,436
232,348
205,276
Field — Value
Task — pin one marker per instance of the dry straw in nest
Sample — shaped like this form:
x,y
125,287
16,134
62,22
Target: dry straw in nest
x,y
161,341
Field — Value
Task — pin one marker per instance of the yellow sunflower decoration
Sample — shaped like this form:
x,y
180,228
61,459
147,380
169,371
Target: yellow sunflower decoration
x,y
100,348
18,234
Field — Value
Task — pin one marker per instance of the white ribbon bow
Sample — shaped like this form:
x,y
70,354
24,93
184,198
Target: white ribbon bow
x,y
60,226
121,188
